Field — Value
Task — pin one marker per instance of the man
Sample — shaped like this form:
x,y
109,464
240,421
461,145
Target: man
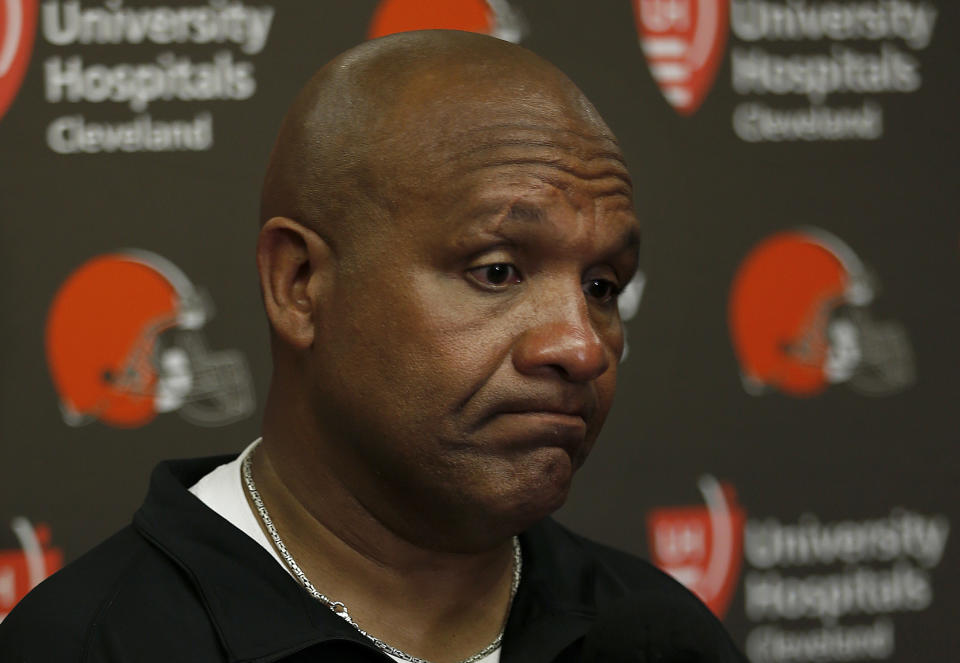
x,y
446,224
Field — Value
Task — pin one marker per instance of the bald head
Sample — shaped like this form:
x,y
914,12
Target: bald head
x,y
446,225
367,128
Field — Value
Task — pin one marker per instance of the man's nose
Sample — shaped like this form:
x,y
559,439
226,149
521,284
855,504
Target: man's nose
x,y
561,338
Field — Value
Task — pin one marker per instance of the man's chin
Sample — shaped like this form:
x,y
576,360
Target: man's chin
x,y
540,488
514,493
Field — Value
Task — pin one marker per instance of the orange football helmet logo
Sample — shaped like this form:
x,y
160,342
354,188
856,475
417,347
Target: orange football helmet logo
x,y
123,343
799,321
490,17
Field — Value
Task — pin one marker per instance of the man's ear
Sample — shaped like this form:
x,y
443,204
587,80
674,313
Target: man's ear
x,y
293,262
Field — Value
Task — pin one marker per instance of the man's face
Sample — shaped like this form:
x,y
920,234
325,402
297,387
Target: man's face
x,y
468,357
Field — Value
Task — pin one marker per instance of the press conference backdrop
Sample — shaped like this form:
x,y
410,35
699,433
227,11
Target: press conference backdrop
x,y
784,439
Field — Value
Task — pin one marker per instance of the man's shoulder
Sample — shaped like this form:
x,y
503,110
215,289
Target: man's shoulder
x,y
56,616
107,600
613,573
630,602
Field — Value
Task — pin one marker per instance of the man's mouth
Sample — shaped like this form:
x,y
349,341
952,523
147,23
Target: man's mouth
x,y
559,408
549,418
554,420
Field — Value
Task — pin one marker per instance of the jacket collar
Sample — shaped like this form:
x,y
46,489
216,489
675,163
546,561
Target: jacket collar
x,y
261,614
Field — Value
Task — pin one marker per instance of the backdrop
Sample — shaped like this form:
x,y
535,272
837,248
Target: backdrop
x,y
784,439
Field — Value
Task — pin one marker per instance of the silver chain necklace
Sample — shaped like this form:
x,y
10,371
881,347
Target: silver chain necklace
x,y
337,606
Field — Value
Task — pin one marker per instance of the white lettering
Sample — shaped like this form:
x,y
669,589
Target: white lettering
x,y
795,20
769,644
755,123
664,15
168,78
859,590
73,134
755,71
68,22
901,535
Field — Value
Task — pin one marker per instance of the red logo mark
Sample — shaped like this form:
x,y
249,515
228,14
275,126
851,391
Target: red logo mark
x,y
683,41
124,343
799,320
491,17
18,22
22,570
701,546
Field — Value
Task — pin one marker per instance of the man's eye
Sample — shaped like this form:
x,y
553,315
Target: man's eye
x,y
496,274
601,290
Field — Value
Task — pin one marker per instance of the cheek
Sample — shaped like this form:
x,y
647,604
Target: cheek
x,y
615,337
421,342
606,384
606,388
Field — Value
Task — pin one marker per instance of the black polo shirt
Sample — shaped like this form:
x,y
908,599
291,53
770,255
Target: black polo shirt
x,y
183,584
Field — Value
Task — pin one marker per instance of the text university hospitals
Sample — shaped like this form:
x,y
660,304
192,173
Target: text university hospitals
x,y
235,29
765,64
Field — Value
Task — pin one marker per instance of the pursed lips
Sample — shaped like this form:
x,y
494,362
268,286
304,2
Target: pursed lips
x,y
566,412
567,401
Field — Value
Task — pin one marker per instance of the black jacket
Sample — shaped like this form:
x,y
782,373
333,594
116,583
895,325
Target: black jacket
x,y
182,584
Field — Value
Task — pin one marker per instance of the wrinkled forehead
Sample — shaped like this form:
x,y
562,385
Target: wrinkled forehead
x,y
520,142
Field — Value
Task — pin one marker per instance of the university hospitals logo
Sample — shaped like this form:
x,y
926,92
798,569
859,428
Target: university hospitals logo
x,y
683,41
22,570
124,343
492,17
813,588
701,546
799,320
18,22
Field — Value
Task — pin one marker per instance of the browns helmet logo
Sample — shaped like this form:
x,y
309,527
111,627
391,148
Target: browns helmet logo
x,y
124,343
18,22
492,17
683,41
701,546
22,570
799,320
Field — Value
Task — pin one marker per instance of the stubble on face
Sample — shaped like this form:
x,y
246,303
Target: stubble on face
x,y
455,410
426,362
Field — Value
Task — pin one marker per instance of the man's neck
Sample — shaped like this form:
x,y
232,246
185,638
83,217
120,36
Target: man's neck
x,y
435,605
